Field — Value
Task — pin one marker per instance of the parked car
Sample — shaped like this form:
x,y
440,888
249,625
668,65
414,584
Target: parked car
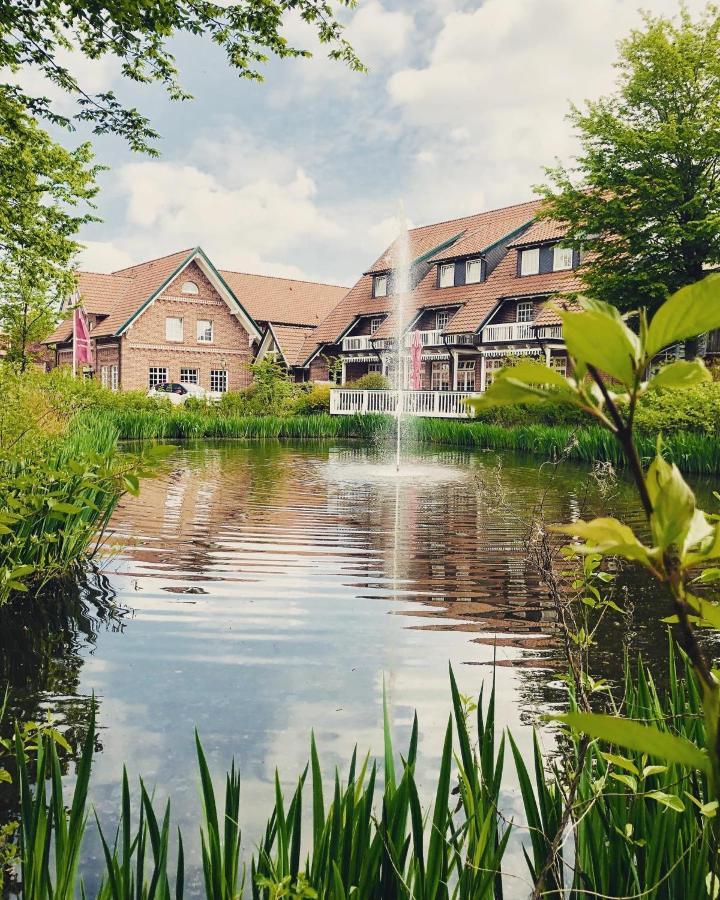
x,y
177,392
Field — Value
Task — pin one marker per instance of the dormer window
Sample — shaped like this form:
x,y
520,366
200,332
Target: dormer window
x,y
375,324
380,286
447,275
562,258
442,317
189,287
524,312
530,261
473,271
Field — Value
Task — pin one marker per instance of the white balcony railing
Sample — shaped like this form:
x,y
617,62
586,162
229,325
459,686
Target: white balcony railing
x,y
434,404
360,342
519,331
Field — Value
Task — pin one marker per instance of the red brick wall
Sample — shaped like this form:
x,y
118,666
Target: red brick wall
x,y
508,311
428,319
318,369
144,344
363,326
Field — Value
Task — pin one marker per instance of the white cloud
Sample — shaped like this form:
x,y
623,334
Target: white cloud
x,y
246,215
103,256
491,99
379,35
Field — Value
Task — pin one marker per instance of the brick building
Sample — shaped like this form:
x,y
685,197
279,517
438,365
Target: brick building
x,y
178,318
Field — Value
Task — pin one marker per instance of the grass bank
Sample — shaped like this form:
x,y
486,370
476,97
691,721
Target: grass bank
x,y
694,452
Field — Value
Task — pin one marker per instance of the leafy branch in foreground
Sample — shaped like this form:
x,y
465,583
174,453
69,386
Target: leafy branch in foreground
x,y
612,367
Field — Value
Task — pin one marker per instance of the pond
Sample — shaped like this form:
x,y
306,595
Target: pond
x,y
256,592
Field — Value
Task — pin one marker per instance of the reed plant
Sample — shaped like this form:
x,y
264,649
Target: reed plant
x,y
640,827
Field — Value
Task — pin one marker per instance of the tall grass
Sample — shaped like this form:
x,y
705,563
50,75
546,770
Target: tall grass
x,y
640,829
693,452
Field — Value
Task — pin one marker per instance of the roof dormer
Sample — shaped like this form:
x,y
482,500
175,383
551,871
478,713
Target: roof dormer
x,y
461,271
546,258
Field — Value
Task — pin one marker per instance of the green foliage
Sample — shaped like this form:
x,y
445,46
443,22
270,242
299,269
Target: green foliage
x,y
47,191
637,825
316,400
643,195
681,537
373,381
35,35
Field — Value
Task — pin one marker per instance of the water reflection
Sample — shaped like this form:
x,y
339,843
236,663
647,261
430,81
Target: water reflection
x,y
272,586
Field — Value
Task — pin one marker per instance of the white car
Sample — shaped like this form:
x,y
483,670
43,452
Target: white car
x,y
177,392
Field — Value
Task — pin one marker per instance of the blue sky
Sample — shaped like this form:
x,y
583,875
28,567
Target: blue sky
x,y
303,174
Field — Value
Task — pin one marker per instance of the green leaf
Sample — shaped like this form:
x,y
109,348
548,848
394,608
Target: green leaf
x,y
627,780
61,507
691,311
607,536
132,484
621,761
653,770
681,374
506,391
669,800
674,520
643,738
597,336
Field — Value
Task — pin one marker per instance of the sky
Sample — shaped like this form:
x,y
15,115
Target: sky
x,y
307,173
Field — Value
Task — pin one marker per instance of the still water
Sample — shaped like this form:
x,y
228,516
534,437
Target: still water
x,y
257,591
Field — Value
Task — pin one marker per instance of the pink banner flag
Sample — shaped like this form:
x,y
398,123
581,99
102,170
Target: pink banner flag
x,y
415,361
82,348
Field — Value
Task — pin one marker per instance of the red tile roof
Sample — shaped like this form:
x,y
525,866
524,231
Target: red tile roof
x,y
285,300
294,341
473,235
539,233
477,231
119,295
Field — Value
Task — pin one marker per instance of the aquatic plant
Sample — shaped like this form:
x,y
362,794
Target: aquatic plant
x,y
613,367
639,827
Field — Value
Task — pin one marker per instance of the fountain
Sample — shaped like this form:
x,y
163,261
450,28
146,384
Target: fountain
x,y
401,288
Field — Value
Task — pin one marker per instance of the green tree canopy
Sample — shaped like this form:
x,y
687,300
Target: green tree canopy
x,y
138,32
644,194
47,194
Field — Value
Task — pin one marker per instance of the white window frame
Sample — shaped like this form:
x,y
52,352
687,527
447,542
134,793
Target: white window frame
x,y
562,258
172,330
105,376
218,381
493,364
530,261
442,317
466,375
440,375
189,287
524,312
377,281
114,377
375,324
201,329
157,375
447,275
559,363
374,368
193,378
468,264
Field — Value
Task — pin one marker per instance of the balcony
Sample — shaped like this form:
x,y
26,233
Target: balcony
x,y
360,342
432,404
520,331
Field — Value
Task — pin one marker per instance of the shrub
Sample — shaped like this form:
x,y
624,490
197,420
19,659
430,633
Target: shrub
x,y
317,400
373,381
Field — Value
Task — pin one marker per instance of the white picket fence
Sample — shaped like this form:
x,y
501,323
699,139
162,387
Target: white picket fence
x,y
433,404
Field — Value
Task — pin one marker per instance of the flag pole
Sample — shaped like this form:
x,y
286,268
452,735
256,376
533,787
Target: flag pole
x,y
74,344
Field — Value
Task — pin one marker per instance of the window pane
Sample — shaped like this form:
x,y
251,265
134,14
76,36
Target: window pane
x,y
466,375
113,378
441,319
524,312
157,375
189,376
218,381
173,329
381,285
189,287
447,275
204,330
374,325
530,261
473,271
562,258
440,378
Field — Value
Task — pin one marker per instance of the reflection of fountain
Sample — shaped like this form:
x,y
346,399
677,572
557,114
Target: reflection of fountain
x,y
400,293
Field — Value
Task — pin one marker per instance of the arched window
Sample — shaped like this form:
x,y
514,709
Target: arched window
x,y
189,287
